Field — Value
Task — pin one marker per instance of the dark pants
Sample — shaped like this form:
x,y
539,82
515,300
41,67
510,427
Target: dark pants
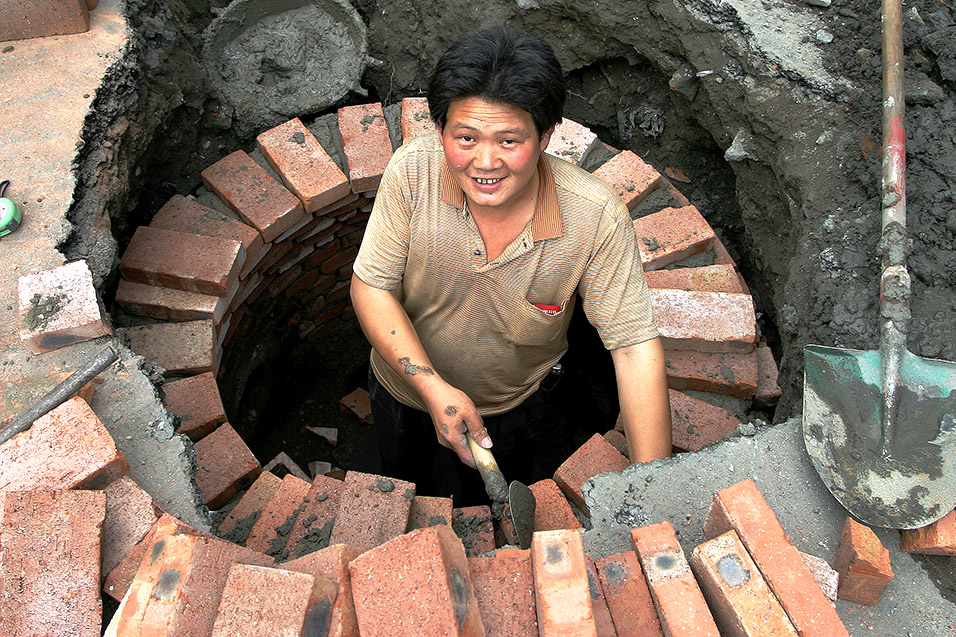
x,y
409,449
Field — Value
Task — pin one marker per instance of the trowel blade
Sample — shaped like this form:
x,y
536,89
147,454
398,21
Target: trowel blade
x,y
521,510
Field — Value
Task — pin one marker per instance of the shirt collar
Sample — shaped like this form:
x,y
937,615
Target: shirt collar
x,y
546,223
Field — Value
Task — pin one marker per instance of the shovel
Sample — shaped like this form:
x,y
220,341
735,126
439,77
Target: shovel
x,y
517,496
880,426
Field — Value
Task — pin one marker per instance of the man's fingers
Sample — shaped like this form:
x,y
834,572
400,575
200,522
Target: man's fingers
x,y
464,452
478,431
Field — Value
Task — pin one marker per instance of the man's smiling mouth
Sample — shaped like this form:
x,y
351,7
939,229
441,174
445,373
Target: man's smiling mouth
x,y
488,181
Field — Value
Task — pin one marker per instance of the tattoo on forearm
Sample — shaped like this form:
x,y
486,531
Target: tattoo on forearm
x,y
412,370
445,429
450,410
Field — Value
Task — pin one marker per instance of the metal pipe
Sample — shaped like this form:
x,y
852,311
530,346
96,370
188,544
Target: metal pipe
x,y
59,394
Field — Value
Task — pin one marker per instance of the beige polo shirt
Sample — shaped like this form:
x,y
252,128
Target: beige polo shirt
x,y
477,320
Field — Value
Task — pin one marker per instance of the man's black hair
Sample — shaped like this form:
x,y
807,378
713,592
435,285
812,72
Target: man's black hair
x,y
500,65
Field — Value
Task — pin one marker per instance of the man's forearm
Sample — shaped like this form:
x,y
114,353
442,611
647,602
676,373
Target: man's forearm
x,y
645,408
391,333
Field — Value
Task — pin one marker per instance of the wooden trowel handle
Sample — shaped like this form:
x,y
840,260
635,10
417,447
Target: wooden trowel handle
x,y
495,484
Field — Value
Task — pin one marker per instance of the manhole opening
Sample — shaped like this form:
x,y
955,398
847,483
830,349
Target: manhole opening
x,y
275,384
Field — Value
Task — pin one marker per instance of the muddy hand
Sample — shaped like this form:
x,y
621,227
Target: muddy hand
x,y
453,414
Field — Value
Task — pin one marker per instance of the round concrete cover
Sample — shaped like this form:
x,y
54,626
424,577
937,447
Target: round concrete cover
x,y
270,61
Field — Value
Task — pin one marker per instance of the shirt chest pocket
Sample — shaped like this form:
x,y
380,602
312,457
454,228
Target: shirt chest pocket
x,y
524,324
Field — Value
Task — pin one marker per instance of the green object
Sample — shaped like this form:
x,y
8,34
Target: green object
x,y
10,214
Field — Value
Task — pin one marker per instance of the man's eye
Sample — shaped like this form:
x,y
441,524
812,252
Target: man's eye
x,y
509,142
466,138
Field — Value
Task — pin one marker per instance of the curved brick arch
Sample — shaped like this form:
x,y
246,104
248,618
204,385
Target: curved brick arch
x,y
284,224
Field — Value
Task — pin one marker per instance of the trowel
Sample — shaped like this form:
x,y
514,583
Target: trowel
x,y
514,501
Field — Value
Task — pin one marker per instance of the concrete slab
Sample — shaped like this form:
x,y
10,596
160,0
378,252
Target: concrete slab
x,y
680,489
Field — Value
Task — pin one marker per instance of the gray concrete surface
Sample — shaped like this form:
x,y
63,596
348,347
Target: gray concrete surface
x,y
680,490
47,87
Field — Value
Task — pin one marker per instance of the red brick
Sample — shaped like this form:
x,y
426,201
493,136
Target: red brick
x,y
552,511
182,261
224,466
237,525
23,19
271,531
130,514
938,538
672,235
696,423
50,563
367,144
275,256
740,599
504,587
863,564
59,307
823,574
561,584
595,456
630,176
721,256
572,142
179,348
372,510
359,404
727,374
710,278
618,440
119,579
742,507
429,511
178,587
705,321
602,614
416,118
168,304
68,448
416,584
679,602
303,165
261,201
197,402
258,601
332,563
628,597
475,526
188,215
768,391
335,262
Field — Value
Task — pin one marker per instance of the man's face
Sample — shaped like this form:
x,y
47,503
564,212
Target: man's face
x,y
492,150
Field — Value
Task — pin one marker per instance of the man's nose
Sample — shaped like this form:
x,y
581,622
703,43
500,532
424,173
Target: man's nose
x,y
486,157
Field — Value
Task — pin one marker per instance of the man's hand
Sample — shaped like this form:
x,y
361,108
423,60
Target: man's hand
x,y
453,414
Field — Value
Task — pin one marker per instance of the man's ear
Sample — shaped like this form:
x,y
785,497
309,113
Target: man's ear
x,y
546,138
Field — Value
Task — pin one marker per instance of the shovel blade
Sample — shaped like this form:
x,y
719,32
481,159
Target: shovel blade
x,y
912,485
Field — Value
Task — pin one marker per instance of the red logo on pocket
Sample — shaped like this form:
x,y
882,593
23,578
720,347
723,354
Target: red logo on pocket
x,y
550,310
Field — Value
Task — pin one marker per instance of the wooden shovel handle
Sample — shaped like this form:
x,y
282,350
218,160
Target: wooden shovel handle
x,y
495,484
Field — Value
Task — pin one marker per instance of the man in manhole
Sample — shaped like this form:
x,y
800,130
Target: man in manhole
x,y
475,252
